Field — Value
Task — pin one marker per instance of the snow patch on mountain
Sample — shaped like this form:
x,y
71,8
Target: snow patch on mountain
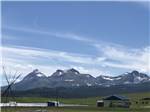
x,y
88,84
60,73
117,78
39,75
69,80
107,78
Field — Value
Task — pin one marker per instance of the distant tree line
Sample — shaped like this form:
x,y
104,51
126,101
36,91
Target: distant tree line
x,y
82,92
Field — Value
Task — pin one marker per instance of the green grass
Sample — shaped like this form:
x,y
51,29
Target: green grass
x,y
137,96
73,109
86,101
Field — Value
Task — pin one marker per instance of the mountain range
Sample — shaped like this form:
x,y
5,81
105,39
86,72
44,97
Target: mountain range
x,y
73,78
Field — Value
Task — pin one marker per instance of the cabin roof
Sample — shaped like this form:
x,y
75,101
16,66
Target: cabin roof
x,y
52,101
100,101
116,97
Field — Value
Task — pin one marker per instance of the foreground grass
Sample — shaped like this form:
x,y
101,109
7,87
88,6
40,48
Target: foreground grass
x,y
75,109
85,101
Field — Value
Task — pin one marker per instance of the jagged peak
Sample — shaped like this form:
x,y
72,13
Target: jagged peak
x,y
72,70
34,73
59,70
135,72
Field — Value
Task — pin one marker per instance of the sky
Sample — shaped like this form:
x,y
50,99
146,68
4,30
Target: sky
x,y
99,38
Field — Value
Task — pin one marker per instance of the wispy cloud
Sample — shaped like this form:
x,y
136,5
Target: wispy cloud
x,y
24,58
110,55
49,60
34,53
64,35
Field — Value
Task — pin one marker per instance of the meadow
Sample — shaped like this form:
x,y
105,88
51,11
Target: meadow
x,y
73,109
83,101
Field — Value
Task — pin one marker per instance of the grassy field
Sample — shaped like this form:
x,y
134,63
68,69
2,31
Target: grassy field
x,y
73,109
86,101
81,109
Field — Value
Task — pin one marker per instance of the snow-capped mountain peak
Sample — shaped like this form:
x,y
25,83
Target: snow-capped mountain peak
x,y
72,70
34,74
72,77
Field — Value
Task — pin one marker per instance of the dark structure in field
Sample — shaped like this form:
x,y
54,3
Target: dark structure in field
x,y
114,101
100,103
52,104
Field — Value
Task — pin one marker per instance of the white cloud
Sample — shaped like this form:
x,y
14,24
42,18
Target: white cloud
x,y
32,53
63,35
91,70
125,58
110,55
26,59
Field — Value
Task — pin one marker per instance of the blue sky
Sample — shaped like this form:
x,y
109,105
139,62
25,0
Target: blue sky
x,y
100,38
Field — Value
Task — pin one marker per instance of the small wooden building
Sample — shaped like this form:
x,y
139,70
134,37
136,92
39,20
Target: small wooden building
x,y
114,101
100,103
52,104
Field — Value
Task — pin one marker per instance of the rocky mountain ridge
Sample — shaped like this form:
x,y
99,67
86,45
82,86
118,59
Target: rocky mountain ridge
x,y
73,78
